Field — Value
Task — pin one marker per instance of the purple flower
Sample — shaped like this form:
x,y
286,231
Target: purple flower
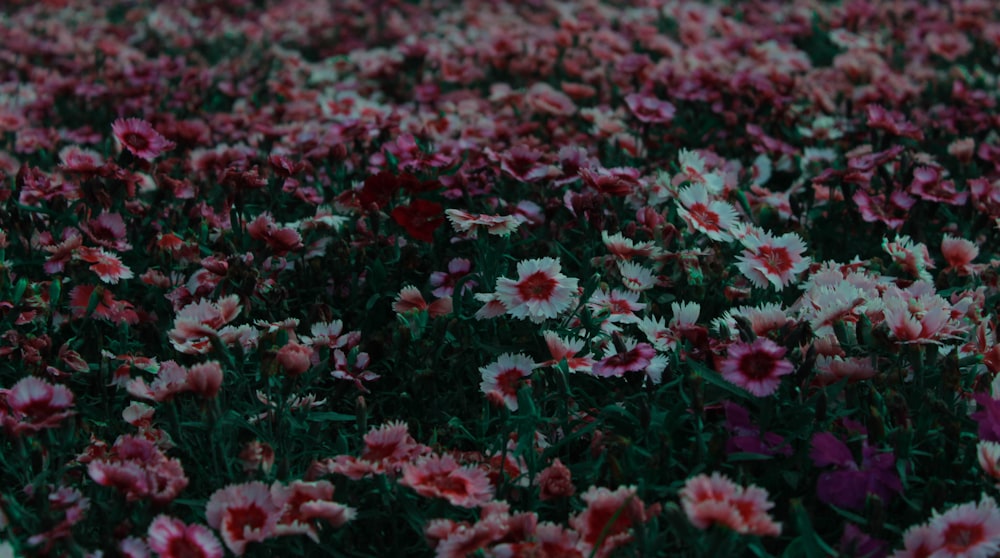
x,y
848,484
745,436
856,542
988,418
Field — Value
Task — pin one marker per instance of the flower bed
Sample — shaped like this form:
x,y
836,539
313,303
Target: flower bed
x,y
521,278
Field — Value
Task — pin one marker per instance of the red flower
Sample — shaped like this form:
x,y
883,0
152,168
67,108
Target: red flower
x,y
441,477
420,219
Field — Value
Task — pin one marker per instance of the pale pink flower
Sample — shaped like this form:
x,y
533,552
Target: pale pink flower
x,y
541,290
561,348
441,477
294,358
636,277
503,377
650,109
625,248
243,513
469,223
108,267
769,260
911,256
626,355
714,218
172,538
77,159
756,367
607,522
32,404
543,98
959,253
198,322
304,504
444,282
140,469
616,306
410,300
139,138
716,500
970,530
108,230
989,458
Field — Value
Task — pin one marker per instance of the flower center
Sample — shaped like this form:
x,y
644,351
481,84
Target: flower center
x,y
962,536
757,365
137,141
776,259
537,286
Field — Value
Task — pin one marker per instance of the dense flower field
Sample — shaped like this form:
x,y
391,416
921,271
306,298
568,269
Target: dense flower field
x,y
500,279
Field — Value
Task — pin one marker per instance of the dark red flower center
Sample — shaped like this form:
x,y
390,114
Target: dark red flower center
x,y
757,365
776,259
136,140
959,537
182,547
240,518
537,286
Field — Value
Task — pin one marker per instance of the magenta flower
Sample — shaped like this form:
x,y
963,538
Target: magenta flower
x,y
140,139
849,483
756,367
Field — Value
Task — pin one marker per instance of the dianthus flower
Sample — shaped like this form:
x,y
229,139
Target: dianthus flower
x,y
541,290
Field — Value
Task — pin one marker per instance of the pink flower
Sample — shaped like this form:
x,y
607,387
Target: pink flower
x,y
172,379
543,98
410,300
969,530
650,109
626,356
444,282
197,323
555,481
607,522
541,291
714,218
756,367
567,349
502,378
716,500
303,504
32,404
959,253
108,267
243,513
140,469
294,358
441,477
139,138
769,260
171,538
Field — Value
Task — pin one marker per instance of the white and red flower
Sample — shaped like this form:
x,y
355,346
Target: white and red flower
x,y
541,290
769,260
756,367
502,378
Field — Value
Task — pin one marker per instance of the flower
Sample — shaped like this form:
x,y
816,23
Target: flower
x,y
756,367
959,253
849,483
294,358
139,138
441,477
608,519
140,469
716,500
650,109
243,513
172,538
409,300
561,348
541,291
420,218
108,267
555,481
501,378
302,503
624,356
970,530
714,218
769,260
444,282
636,277
32,404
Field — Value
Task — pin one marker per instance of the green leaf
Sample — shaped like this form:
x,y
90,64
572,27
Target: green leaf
x,y
330,417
